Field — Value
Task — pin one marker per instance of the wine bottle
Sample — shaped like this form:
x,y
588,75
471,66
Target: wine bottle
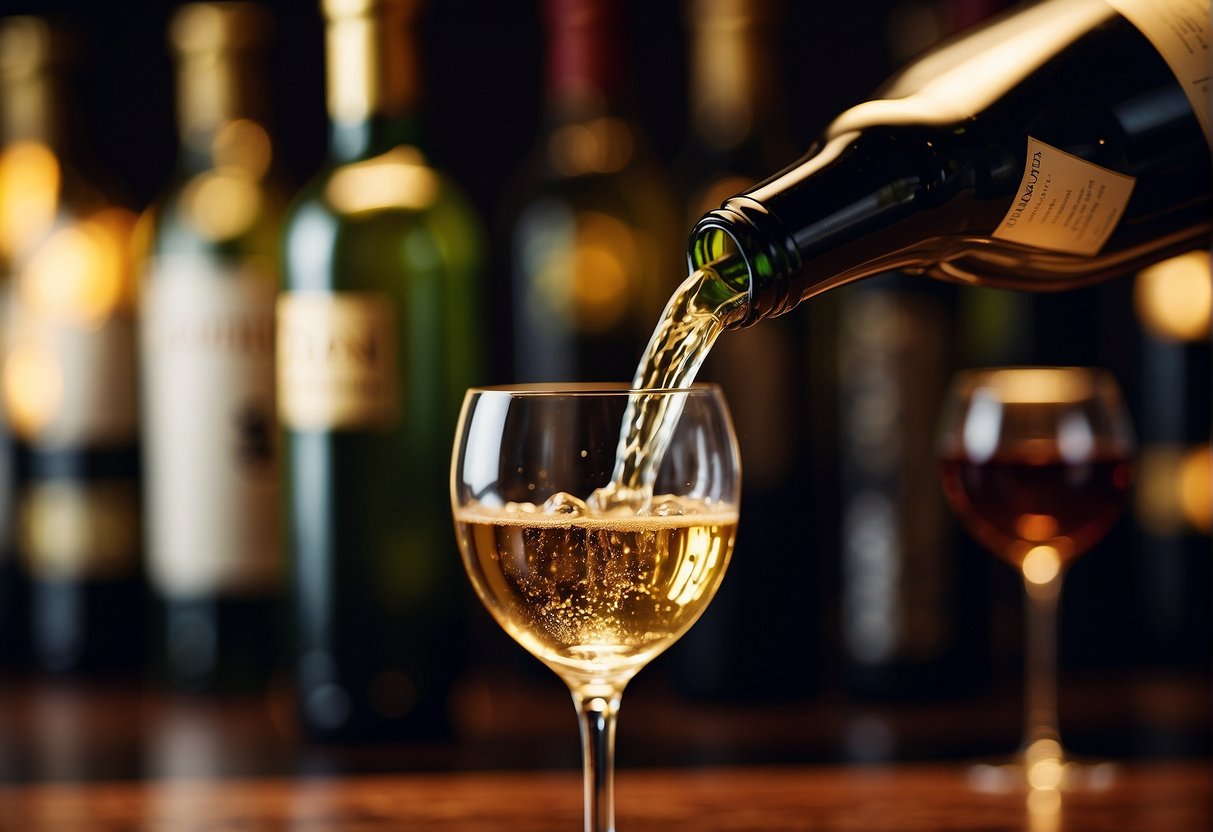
x,y
1061,143
210,281
736,133
914,605
1172,480
377,341
69,382
592,213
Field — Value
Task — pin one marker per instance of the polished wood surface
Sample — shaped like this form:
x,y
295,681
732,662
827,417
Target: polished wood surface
x,y
1163,797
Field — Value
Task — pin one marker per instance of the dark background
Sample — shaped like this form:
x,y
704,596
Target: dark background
x,y
483,65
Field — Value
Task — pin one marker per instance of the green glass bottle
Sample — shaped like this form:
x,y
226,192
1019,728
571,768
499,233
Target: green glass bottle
x,y
210,280
377,341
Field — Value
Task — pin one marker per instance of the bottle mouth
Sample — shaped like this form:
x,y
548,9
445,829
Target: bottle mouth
x,y
747,248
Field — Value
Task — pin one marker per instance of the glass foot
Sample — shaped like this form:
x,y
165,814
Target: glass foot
x,y
1042,765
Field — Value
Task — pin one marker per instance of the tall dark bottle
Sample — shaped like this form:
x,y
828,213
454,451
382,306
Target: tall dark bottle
x,y
69,381
592,216
210,280
736,133
377,342
1062,143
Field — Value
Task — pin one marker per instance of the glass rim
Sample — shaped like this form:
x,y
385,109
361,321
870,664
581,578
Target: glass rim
x,y
587,389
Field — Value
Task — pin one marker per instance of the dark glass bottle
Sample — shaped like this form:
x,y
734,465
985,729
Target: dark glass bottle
x,y
210,280
592,218
69,383
1060,144
377,341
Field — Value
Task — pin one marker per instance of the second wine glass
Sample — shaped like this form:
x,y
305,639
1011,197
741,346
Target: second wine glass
x,y
1036,462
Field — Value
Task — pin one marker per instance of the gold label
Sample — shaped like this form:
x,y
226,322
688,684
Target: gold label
x,y
73,529
337,361
1065,203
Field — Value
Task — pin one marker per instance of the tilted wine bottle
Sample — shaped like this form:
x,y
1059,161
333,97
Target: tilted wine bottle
x,y
69,379
376,344
210,280
1060,144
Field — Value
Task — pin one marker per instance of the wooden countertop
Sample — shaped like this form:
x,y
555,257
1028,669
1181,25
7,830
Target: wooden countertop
x,y
1155,797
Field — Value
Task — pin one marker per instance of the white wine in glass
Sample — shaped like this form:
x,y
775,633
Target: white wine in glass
x,y
593,577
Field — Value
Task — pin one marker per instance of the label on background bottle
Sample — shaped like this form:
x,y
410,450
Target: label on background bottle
x,y
68,384
337,361
211,458
74,529
1065,203
1179,30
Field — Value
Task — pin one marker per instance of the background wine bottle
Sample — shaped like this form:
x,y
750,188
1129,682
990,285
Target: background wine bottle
x,y
377,342
210,280
69,383
1084,156
738,131
914,601
1171,495
593,228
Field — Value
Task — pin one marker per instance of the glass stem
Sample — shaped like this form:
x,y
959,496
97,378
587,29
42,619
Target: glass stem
x,y
1040,672
598,709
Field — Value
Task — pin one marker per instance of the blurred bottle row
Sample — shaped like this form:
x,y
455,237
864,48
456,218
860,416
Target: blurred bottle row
x,y
230,417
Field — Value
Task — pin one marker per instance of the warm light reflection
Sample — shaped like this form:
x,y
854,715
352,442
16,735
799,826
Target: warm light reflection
x,y
32,386
1173,298
397,179
81,272
603,145
1041,565
1036,527
595,274
222,204
1173,489
245,145
29,196
1043,764
697,562
1196,488
1026,385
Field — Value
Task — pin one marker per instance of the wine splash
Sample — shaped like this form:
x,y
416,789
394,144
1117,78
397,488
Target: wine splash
x,y
694,317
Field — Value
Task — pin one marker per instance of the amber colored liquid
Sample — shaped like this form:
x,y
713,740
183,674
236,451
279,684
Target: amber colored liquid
x,y
1017,500
595,596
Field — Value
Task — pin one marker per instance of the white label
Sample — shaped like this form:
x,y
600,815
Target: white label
x,y
210,434
1179,30
337,361
1065,203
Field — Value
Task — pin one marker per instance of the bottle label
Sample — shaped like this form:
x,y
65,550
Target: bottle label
x,y
210,432
1064,203
69,382
337,361
1179,30
73,529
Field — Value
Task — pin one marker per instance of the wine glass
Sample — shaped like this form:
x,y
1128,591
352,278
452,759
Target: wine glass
x,y
1036,462
594,576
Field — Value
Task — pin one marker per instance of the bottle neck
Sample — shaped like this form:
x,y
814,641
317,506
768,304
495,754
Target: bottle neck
x,y
583,61
373,81
810,227
220,113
